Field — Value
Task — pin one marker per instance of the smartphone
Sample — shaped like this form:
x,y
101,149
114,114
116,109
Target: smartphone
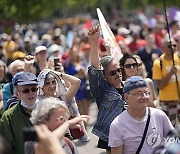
x,y
56,61
29,134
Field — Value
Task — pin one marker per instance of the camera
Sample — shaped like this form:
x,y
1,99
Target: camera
x,y
56,61
172,143
29,134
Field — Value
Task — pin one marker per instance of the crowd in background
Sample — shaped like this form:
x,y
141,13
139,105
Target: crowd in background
x,y
141,44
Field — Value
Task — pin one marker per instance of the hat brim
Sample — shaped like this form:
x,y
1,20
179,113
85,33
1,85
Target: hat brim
x,y
27,83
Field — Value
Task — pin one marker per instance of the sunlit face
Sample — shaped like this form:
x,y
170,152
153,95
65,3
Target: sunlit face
x,y
137,98
49,87
150,39
167,47
42,55
74,54
130,68
58,117
27,93
113,74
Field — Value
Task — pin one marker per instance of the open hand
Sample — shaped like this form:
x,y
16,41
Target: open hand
x,y
75,122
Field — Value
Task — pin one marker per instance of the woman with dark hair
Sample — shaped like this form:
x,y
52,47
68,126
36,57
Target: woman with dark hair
x,y
129,66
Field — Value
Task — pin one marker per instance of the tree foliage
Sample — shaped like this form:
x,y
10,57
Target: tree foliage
x,y
35,10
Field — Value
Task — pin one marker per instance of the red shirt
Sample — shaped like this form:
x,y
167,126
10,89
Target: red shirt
x,y
134,46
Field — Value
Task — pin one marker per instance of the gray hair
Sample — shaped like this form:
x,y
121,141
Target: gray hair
x,y
45,108
15,64
106,61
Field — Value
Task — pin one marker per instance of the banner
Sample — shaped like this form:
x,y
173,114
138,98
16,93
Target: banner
x,y
174,13
109,36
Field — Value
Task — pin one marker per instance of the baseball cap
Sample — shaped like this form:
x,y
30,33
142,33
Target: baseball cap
x,y
40,48
134,82
18,55
53,48
24,78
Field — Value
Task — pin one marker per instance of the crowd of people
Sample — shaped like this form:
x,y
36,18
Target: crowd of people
x,y
45,78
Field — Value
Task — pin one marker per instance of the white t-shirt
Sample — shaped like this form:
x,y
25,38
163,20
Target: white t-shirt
x,y
127,131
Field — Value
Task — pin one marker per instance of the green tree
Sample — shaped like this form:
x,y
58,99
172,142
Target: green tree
x,y
24,11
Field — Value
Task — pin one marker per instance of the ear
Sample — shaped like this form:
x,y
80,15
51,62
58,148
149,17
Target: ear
x,y
17,95
126,96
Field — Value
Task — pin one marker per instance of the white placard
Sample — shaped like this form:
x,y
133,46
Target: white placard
x,y
109,36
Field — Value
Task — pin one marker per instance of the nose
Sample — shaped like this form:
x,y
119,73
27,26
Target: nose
x,y
51,84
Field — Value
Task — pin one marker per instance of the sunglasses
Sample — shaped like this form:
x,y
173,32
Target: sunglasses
x,y
26,91
112,73
171,46
128,66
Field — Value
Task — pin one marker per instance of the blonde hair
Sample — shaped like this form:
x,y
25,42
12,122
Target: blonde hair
x,y
143,72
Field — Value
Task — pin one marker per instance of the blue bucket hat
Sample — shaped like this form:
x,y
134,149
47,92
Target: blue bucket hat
x,y
134,82
24,78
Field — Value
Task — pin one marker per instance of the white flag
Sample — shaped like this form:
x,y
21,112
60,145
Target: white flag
x,y
109,36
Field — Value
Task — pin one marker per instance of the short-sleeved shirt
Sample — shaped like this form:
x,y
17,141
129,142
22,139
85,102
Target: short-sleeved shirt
x,y
127,131
169,92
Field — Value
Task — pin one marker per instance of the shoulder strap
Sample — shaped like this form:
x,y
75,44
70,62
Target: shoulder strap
x,y
160,60
145,132
69,143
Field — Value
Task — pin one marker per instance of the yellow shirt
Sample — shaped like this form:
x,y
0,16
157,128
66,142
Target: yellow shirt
x,y
169,92
9,47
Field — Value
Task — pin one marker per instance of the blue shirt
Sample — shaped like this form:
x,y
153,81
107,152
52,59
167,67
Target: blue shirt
x,y
7,93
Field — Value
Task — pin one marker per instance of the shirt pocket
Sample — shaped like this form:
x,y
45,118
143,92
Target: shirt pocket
x,y
109,100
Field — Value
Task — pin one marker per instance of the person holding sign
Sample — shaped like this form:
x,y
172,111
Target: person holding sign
x,y
105,80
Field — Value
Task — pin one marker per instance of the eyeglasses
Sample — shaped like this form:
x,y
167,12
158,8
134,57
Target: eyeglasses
x,y
26,91
112,73
141,94
128,66
61,119
171,46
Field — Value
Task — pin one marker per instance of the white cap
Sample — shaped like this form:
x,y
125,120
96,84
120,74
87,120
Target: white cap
x,y
27,39
53,48
123,31
40,48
